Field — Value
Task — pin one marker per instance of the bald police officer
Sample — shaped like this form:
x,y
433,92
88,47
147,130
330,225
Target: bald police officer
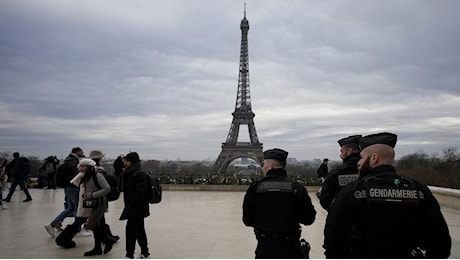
x,y
382,214
275,206
345,173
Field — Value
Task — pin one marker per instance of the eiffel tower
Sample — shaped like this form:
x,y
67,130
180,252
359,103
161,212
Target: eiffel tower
x,y
243,115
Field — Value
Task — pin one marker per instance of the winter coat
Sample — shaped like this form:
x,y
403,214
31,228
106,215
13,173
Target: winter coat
x,y
89,189
21,169
134,186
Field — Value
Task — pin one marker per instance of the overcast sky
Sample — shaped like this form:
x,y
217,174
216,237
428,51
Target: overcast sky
x,y
160,77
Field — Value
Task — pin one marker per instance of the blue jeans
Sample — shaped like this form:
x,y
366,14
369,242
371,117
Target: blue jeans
x,y
22,184
72,196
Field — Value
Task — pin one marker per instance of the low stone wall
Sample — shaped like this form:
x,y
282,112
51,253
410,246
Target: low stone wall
x,y
197,187
446,197
188,187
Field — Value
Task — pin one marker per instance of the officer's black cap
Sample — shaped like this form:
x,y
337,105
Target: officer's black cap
x,y
276,154
380,138
352,139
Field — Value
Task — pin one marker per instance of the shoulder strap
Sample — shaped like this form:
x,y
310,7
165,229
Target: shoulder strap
x,y
95,181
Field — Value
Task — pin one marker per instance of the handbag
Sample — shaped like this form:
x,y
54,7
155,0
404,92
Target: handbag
x,y
304,249
90,203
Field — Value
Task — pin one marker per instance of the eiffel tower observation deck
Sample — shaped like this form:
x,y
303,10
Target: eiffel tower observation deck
x,y
243,115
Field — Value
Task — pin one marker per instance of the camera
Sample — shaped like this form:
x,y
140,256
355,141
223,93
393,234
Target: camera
x,y
90,203
304,249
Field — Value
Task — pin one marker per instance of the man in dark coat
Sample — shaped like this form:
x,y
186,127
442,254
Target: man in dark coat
x,y
321,173
275,206
345,173
323,170
134,185
49,167
382,214
20,171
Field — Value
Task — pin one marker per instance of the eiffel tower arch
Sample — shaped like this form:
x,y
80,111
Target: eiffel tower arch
x,y
243,115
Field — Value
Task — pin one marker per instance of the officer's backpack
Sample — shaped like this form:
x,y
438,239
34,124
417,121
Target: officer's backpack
x,y
114,193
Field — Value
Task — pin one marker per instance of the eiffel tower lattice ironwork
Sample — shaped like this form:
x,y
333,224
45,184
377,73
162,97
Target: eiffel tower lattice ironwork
x,y
243,115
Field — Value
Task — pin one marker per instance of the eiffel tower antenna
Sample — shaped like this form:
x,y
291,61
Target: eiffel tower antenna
x,y
243,115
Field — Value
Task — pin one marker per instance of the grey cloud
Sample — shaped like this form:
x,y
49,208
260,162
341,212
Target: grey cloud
x,y
161,76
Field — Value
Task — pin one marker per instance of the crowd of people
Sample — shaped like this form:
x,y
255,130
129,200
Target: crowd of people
x,y
83,180
372,212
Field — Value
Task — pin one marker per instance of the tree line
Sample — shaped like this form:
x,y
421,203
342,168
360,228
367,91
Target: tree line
x,y
441,171
432,170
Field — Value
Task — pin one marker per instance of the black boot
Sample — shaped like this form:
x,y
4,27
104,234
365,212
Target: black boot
x,y
109,244
65,238
94,251
109,233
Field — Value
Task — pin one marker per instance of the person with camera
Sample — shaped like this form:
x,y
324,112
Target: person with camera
x,y
382,214
49,167
275,206
91,208
97,156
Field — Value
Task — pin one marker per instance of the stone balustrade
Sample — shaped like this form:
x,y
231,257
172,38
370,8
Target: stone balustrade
x,y
446,197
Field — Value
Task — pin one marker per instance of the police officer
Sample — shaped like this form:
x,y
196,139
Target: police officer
x,y
384,215
345,173
274,206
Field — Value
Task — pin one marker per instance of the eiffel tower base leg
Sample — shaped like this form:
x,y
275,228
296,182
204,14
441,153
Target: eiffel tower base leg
x,y
230,153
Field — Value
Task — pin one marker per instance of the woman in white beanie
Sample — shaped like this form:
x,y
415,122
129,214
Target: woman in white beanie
x,y
89,194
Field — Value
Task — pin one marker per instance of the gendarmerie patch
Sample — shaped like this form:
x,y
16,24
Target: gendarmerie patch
x,y
393,195
270,186
346,178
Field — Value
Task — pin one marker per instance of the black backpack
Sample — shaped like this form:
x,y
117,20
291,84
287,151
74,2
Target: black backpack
x,y
63,175
154,188
155,191
114,193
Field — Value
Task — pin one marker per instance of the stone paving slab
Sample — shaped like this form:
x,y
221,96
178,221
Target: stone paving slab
x,y
185,225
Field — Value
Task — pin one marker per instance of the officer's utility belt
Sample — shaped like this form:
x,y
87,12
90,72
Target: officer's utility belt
x,y
281,236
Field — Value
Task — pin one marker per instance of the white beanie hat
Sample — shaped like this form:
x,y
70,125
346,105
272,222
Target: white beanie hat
x,y
87,161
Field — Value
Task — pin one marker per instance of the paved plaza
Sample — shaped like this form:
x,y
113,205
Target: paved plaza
x,y
186,225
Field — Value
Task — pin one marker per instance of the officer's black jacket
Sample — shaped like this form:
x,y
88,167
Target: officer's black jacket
x,y
274,211
358,227
331,186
